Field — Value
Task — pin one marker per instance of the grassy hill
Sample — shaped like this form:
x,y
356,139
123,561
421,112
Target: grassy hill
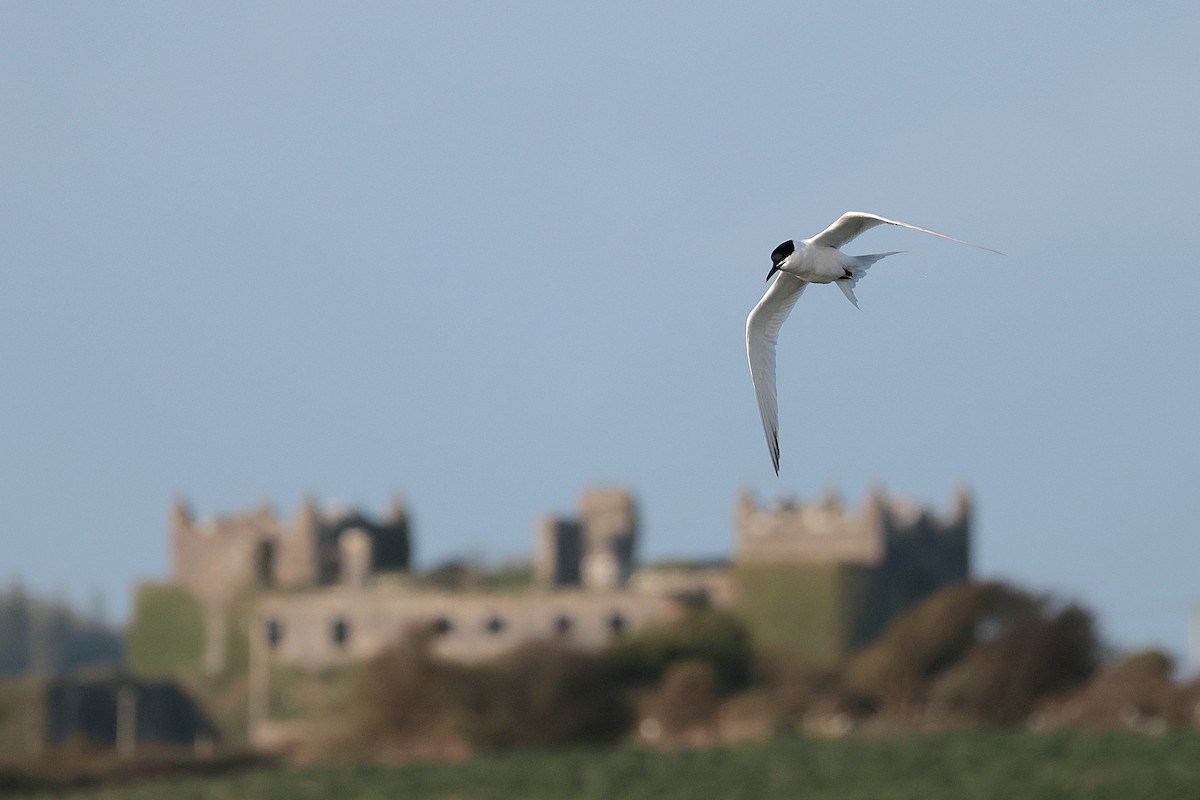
x,y
977,765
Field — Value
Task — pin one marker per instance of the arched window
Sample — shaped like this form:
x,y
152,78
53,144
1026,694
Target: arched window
x,y
616,623
563,624
340,632
495,624
442,626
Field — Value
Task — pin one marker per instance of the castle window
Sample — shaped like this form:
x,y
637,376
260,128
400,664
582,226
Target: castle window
x,y
264,563
494,625
340,632
616,623
563,624
274,633
442,626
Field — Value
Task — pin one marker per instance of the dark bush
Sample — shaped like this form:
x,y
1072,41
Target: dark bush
x,y
1135,692
924,640
1039,651
795,686
541,695
988,651
687,696
404,692
715,638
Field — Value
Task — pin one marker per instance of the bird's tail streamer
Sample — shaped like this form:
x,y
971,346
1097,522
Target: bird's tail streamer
x,y
857,270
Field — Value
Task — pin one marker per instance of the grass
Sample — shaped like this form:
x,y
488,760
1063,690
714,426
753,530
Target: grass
x,y
975,765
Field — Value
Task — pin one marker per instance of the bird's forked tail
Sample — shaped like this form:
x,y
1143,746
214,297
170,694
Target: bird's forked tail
x,y
857,270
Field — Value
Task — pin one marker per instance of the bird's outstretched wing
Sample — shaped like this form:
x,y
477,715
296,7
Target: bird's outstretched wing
x,y
852,223
762,332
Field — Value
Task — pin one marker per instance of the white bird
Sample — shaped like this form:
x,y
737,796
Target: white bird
x,y
815,260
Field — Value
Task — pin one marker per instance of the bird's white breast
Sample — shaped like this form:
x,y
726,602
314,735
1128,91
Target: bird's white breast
x,y
816,264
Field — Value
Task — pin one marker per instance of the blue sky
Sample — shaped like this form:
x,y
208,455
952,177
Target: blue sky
x,y
485,256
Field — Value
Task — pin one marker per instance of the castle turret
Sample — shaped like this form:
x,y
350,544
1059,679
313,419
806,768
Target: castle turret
x,y
397,510
963,505
558,552
609,519
297,563
180,524
354,557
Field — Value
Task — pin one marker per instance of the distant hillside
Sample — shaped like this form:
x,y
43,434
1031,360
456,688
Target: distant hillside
x,y
51,638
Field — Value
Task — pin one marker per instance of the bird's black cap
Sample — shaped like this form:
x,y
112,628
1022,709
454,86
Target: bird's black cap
x,y
779,255
783,251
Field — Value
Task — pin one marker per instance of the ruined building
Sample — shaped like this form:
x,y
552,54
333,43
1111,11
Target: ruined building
x,y
593,551
333,587
822,580
217,558
579,595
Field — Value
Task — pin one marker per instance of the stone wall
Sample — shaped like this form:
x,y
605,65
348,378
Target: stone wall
x,y
334,626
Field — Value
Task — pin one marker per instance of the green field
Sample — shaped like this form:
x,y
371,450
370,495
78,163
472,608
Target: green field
x,y
977,765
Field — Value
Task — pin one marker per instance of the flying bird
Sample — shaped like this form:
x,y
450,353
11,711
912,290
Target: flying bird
x,y
815,260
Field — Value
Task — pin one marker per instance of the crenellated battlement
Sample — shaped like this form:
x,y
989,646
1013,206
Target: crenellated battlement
x,y
217,557
825,531
866,564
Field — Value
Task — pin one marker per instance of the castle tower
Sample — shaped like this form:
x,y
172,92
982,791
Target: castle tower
x,y
180,525
856,570
923,551
354,558
558,552
392,541
297,561
609,519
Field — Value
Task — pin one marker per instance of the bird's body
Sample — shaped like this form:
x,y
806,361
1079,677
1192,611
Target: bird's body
x,y
817,259
815,263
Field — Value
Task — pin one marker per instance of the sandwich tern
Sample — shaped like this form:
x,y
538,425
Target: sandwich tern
x,y
814,260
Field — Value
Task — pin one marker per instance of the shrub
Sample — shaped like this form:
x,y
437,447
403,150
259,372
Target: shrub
x,y
687,696
794,686
1134,692
404,693
986,650
712,637
541,695
1039,651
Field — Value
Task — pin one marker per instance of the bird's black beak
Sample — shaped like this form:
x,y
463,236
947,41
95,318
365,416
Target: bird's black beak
x,y
774,269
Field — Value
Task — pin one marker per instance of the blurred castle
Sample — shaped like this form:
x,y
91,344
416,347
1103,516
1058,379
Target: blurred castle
x,y
217,558
220,559
595,551
335,586
823,581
